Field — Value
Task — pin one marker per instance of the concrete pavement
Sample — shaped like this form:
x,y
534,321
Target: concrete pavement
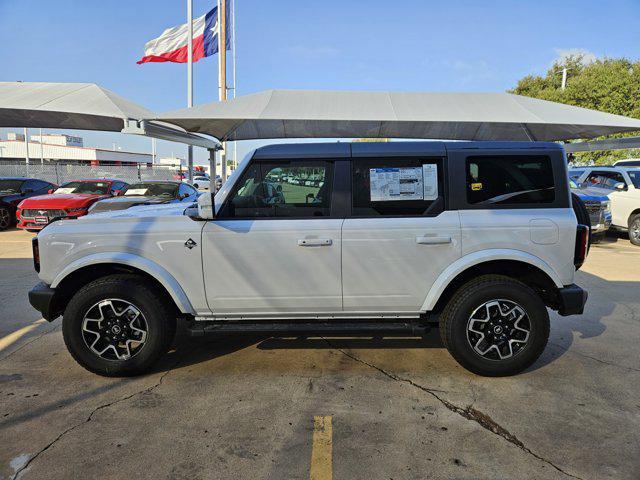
x,y
398,407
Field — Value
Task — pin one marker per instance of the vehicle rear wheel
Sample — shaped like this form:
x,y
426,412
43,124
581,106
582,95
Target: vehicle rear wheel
x,y
495,326
634,229
118,325
6,218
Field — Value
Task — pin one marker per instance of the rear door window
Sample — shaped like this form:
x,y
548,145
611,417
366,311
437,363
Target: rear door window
x,y
509,180
397,186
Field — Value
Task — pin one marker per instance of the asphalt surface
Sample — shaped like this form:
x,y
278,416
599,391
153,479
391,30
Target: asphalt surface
x,y
312,407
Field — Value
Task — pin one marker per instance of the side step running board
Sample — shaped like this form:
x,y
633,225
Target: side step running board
x,y
200,329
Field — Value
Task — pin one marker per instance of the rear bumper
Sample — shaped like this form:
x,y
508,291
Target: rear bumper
x,y
42,298
572,300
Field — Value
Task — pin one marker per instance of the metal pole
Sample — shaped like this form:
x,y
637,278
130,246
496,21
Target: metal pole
x,y
41,149
222,71
233,57
26,145
212,172
190,80
564,78
153,151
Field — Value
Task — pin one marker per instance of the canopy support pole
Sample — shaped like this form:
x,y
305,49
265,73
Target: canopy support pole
x,y
190,80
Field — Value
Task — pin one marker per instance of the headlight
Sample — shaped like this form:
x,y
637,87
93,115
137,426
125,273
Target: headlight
x,y
606,205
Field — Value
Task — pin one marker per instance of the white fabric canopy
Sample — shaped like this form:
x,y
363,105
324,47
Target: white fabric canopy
x,y
454,116
82,106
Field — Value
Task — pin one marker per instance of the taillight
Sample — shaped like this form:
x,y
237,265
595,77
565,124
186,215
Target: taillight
x,y
582,244
36,253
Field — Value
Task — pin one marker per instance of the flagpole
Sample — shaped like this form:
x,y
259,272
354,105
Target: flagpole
x,y
222,72
190,80
233,61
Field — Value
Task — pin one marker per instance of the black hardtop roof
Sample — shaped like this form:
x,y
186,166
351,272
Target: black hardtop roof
x,y
361,149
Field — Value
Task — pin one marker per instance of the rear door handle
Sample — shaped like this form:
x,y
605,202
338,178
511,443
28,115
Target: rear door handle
x,y
314,242
433,240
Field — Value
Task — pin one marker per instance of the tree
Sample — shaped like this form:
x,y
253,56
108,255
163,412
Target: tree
x,y
608,85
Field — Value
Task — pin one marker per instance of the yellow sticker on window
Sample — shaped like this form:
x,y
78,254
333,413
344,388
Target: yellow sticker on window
x,y
476,186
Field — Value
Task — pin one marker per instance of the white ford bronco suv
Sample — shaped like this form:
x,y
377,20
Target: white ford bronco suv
x,y
480,236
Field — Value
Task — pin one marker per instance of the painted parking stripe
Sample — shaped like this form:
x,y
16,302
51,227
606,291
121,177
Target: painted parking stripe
x,y
322,451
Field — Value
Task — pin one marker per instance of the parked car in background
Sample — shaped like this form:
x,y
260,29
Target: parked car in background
x,y
629,162
70,200
14,190
201,183
622,186
598,206
147,193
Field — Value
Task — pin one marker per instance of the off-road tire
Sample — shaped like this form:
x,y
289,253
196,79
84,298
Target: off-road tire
x,y
633,236
158,312
455,318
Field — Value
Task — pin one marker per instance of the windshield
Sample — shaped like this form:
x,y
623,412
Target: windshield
x,y
635,177
167,190
87,188
10,186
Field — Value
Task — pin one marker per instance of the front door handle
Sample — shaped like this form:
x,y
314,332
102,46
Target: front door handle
x,y
314,242
433,240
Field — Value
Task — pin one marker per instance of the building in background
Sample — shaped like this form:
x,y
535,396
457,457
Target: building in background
x,y
66,148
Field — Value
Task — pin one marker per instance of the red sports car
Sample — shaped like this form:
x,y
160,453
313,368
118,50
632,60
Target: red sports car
x,y
70,200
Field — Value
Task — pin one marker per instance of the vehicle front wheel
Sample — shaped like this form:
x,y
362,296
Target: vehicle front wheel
x,y
6,218
495,326
634,229
118,325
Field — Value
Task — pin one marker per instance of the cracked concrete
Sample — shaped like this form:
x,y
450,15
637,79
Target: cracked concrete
x,y
468,412
25,466
401,407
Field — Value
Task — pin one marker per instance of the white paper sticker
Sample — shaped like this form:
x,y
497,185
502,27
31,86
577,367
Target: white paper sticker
x,y
136,191
391,184
65,190
430,179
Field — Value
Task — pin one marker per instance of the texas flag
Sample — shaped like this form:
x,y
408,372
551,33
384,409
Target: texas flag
x,y
172,45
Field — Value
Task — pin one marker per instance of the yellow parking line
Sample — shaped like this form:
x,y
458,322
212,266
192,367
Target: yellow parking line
x,y
322,451
15,336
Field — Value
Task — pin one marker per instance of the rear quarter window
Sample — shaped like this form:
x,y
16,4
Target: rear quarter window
x,y
509,180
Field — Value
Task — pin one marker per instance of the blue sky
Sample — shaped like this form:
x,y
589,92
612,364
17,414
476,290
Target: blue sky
x,y
373,45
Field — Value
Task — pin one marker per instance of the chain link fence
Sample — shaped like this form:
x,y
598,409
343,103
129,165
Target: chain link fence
x,y
61,172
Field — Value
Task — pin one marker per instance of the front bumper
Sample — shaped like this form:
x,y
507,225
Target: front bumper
x,y
572,300
42,298
603,224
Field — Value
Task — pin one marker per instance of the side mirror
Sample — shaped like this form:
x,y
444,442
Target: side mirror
x,y
50,191
310,197
620,186
115,193
26,191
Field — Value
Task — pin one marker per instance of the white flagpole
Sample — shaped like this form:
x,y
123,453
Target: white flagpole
x,y
222,72
233,56
190,80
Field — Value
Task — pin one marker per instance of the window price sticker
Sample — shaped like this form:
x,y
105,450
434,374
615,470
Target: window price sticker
x,y
411,183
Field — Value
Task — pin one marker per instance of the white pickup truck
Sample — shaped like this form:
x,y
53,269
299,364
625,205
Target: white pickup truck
x,y
480,236
622,185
